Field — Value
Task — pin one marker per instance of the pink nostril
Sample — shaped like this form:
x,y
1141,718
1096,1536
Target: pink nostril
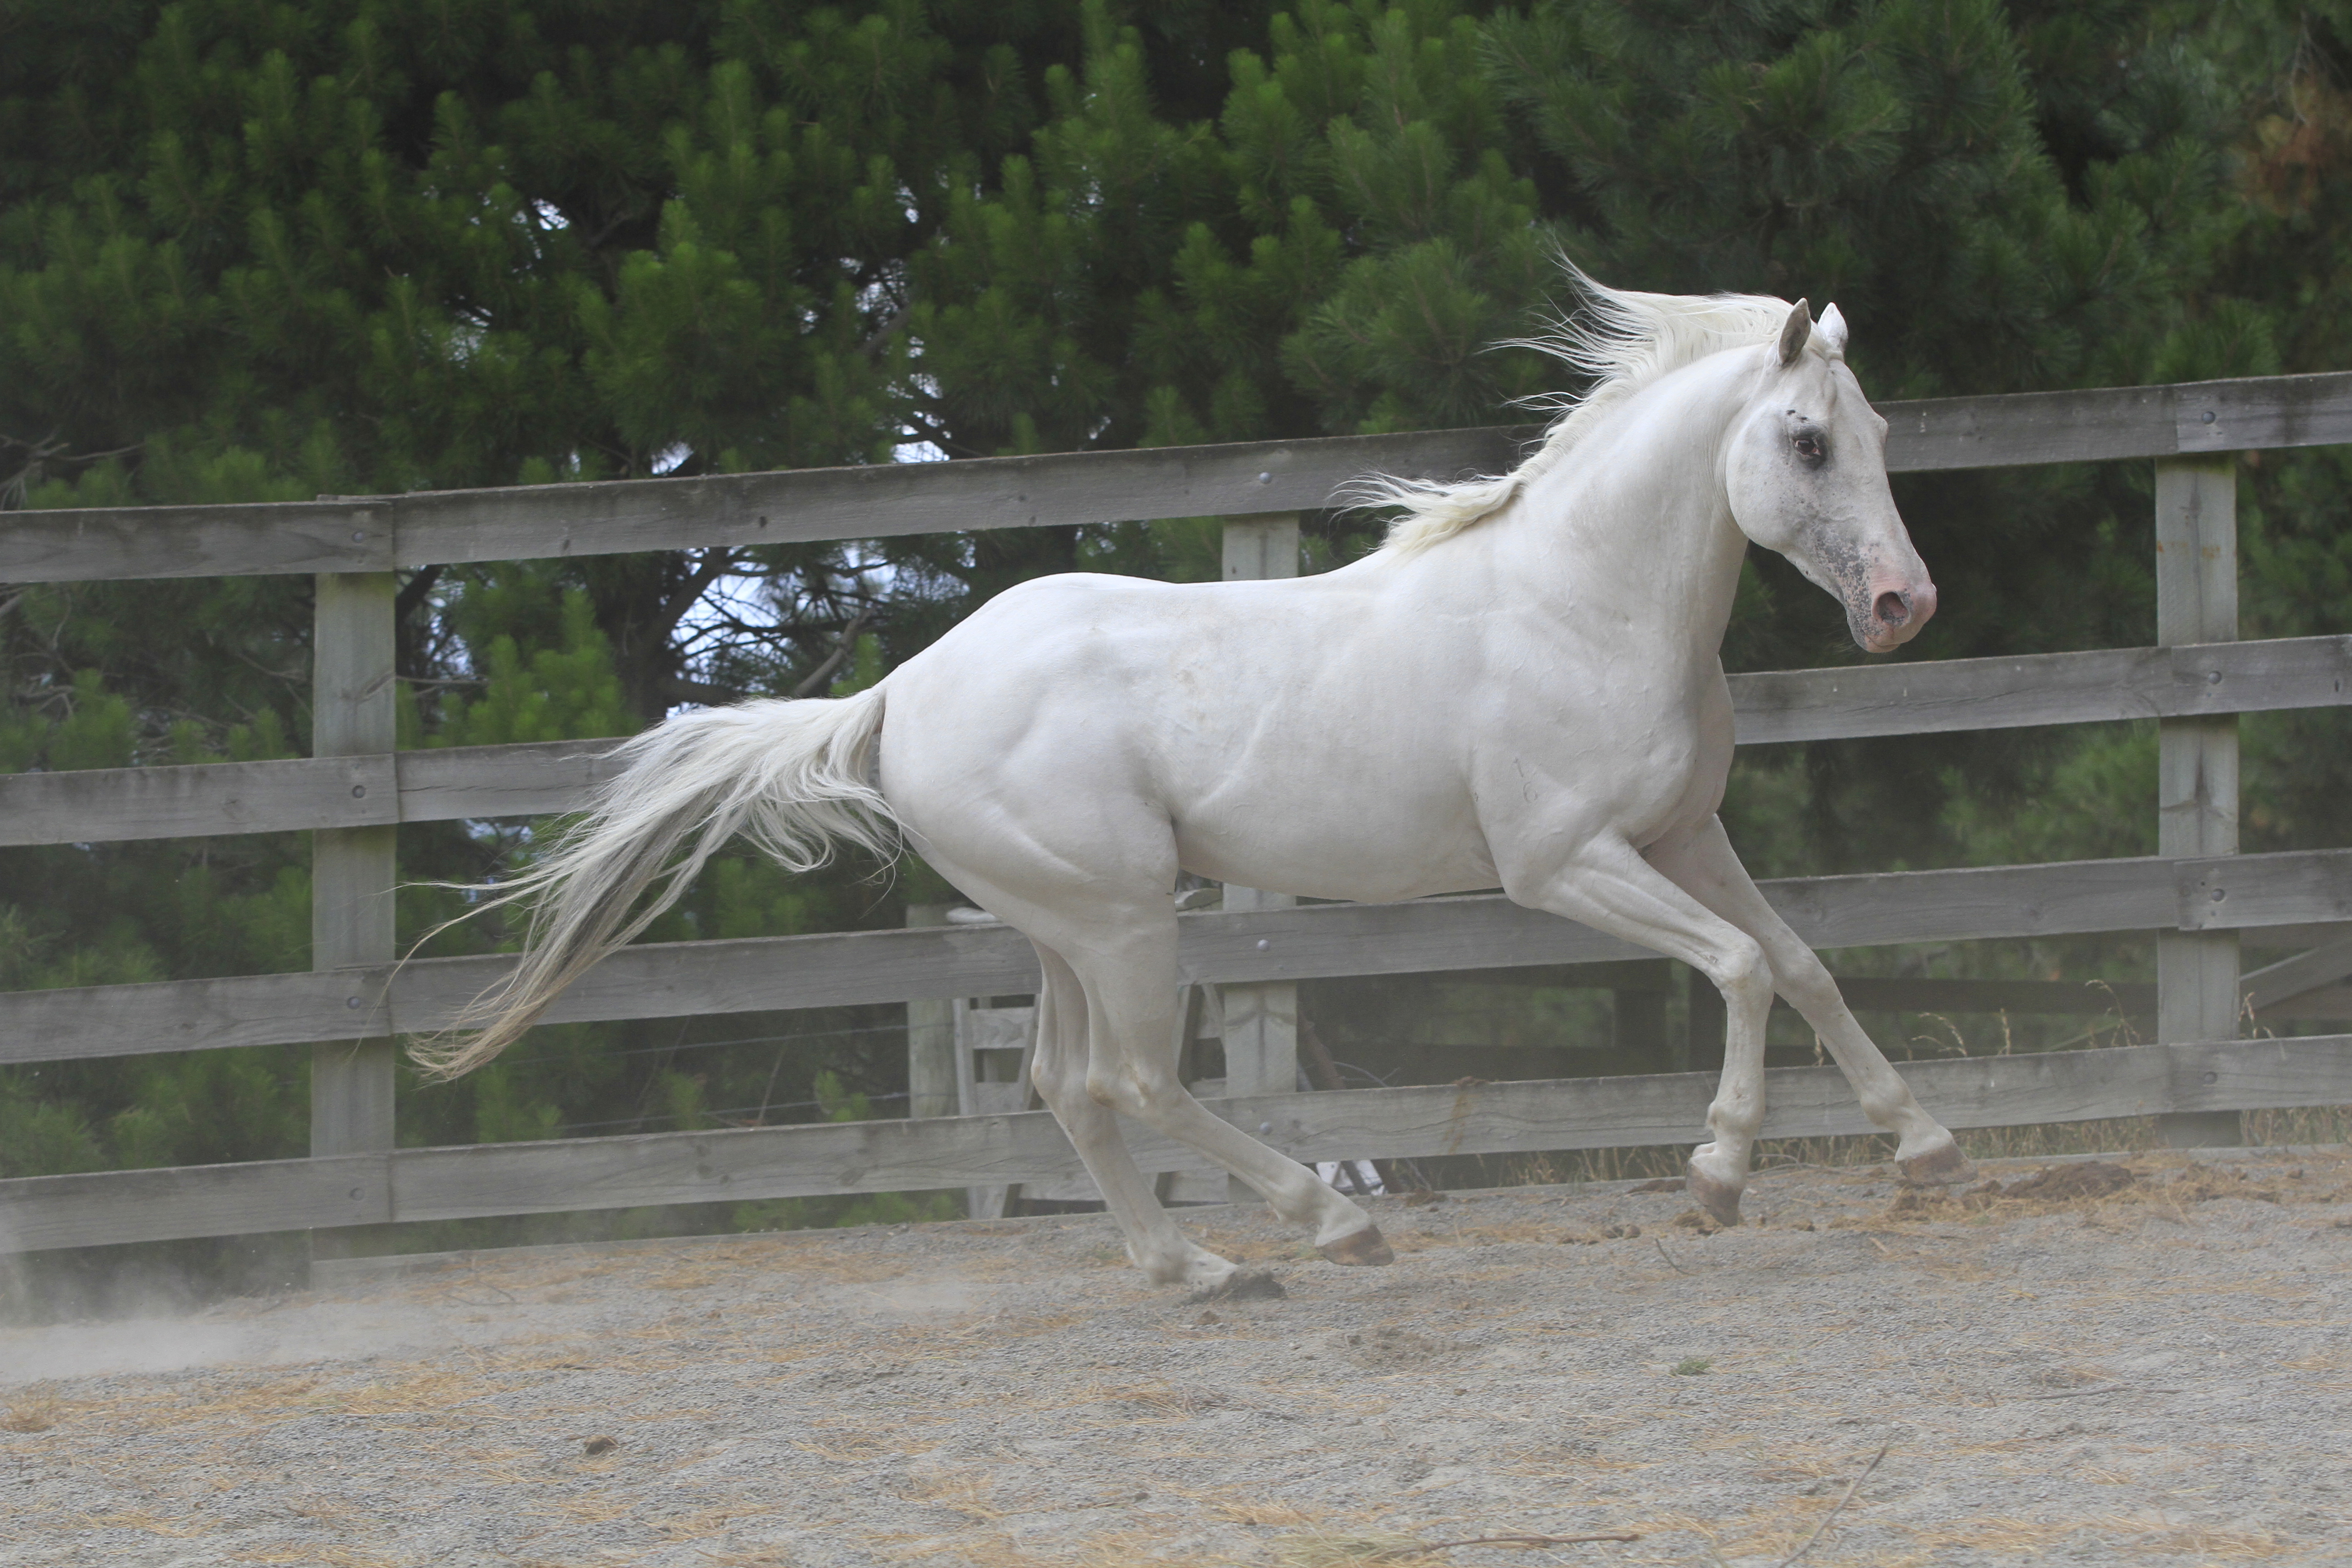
x,y
1891,608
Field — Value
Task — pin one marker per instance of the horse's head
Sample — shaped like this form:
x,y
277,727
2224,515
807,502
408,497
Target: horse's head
x,y
1806,472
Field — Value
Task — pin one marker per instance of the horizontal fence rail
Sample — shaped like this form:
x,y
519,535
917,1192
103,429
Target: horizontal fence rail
x,y
661,980
377,533
1864,701
566,1176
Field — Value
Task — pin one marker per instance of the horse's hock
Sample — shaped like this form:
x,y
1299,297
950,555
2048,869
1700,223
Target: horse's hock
x,y
2138,1359
2200,897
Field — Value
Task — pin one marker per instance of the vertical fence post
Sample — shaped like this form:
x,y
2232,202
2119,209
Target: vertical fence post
x,y
931,1037
2197,766
352,872
1261,1021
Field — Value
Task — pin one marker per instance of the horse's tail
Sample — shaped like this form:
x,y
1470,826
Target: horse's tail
x,y
795,776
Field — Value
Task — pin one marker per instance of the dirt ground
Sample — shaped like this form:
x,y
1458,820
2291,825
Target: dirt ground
x,y
2158,1372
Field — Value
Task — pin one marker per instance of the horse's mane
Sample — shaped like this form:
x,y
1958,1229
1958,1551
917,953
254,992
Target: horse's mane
x,y
1624,340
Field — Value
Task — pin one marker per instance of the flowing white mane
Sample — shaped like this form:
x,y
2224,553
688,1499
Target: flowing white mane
x,y
1622,340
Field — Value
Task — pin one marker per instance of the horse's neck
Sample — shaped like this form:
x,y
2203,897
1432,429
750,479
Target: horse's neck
x,y
1633,531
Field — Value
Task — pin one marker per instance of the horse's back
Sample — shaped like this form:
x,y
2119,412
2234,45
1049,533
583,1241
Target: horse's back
x,y
1261,728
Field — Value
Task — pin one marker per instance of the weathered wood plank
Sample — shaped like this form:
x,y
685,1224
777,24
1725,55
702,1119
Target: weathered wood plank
x,y
473,782
1774,706
2323,1002
1320,941
533,522
2232,892
2264,414
100,543
77,1022
109,1208
2103,424
954,1151
890,498
354,872
2098,425
2193,681
2136,999
107,805
2291,978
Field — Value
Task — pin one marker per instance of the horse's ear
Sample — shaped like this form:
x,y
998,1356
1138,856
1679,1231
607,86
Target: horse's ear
x,y
1793,335
1832,328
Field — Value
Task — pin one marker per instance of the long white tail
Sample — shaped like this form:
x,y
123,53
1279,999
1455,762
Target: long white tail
x,y
793,776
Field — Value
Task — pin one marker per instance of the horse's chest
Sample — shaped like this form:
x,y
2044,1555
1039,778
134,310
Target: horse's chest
x,y
1635,766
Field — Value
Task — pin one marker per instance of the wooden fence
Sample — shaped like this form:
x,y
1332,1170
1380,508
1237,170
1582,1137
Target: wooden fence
x,y
2197,895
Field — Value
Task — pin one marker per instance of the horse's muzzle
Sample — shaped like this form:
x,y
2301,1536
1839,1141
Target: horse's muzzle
x,y
1894,617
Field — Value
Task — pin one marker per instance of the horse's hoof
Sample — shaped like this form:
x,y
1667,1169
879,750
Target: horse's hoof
x,y
1942,1166
1243,1285
1720,1199
1360,1249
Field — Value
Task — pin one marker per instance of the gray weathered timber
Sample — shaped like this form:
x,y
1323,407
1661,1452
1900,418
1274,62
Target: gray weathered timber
x,y
2329,1002
572,1174
262,539
114,1206
88,1021
2134,999
888,499
104,805
527,780
2294,977
2099,424
875,500
2103,424
2198,997
473,782
1319,940
353,878
2237,892
2263,414
1939,697
520,523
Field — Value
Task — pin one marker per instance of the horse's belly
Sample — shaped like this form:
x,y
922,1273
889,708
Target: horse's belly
x,y
1340,845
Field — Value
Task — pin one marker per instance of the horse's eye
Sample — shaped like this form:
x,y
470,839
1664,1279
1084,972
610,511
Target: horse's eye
x,y
1808,447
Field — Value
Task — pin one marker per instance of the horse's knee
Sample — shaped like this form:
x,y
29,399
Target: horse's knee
x,y
1744,977
1131,1093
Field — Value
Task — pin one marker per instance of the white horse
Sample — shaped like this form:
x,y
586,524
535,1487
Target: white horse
x,y
1521,688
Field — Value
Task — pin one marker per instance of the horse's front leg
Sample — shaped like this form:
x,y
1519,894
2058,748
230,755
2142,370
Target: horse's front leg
x,y
1611,887
1704,864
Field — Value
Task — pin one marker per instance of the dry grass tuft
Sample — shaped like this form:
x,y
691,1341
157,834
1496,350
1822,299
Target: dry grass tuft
x,y
2137,1536
966,1492
1353,1549
1158,1399
1277,1515
1114,1549
36,1415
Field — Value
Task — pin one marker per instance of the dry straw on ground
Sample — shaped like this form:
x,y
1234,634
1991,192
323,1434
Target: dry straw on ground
x,y
2142,1363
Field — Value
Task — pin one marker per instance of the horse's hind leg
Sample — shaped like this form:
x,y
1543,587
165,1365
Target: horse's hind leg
x,y
1127,969
1059,1071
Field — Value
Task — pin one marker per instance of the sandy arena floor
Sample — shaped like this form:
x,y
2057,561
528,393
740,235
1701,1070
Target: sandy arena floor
x,y
2159,1374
